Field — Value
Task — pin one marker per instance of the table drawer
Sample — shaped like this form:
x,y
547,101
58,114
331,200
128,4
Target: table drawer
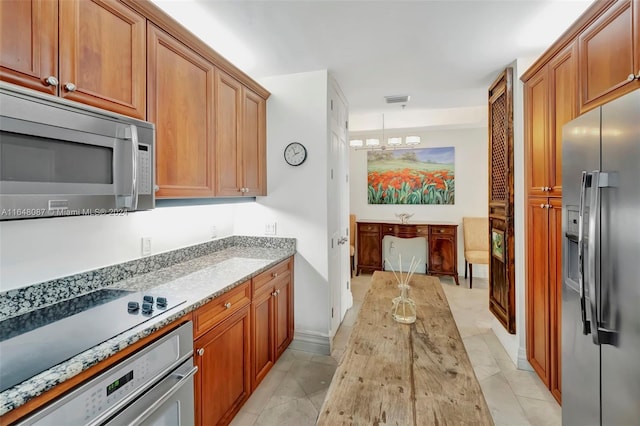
x,y
220,308
270,275
444,230
369,227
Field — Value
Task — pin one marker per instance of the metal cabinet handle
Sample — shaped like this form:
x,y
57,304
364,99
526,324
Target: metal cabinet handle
x,y
274,275
227,305
156,188
631,77
51,81
274,294
278,291
200,351
70,87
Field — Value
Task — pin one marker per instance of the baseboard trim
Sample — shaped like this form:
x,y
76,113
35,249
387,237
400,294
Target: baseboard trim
x,y
523,363
309,341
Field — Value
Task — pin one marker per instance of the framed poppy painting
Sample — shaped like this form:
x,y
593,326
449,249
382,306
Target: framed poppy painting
x,y
411,176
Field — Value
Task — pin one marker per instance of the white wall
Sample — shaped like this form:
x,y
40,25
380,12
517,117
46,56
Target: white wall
x,y
297,200
32,251
471,173
515,344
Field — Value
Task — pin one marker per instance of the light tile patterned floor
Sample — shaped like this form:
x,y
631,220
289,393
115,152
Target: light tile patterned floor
x,y
293,392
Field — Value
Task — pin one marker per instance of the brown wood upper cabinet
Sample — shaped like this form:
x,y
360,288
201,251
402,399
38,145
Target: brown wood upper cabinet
x,y
550,102
89,51
180,102
240,139
609,55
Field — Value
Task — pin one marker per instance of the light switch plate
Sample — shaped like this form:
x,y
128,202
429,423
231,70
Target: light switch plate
x,y
146,246
270,228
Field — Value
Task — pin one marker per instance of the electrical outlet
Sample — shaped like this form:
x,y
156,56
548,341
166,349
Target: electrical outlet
x,y
213,231
146,246
270,228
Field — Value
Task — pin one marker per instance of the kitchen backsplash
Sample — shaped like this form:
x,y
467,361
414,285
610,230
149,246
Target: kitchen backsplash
x,y
18,301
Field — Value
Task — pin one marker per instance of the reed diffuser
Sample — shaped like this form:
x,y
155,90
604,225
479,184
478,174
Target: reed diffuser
x,y
404,308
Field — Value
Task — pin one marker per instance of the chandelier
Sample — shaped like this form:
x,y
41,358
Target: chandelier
x,y
396,142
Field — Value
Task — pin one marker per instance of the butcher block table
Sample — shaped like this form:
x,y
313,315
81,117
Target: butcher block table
x,y
399,374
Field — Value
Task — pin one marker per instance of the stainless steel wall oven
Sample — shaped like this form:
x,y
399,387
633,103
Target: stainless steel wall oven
x,y
154,386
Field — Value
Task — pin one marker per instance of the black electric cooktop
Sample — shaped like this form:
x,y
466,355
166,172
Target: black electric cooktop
x,y
36,341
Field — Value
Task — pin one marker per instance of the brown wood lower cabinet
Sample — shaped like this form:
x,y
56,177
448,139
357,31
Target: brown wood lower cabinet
x,y
272,311
544,278
442,245
223,381
239,336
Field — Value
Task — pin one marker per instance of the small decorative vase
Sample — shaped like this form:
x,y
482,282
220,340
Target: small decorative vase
x,y
404,308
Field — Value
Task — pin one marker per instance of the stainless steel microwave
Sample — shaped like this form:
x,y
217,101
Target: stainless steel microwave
x,y
59,158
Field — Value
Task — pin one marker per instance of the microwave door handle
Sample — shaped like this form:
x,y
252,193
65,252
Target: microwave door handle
x,y
134,168
586,329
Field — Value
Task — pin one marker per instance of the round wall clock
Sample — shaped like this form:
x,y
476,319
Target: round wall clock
x,y
295,153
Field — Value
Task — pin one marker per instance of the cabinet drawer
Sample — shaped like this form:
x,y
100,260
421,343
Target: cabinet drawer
x,y
422,230
266,278
444,230
220,308
369,227
388,230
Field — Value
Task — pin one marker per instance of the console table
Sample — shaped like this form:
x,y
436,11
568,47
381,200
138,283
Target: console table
x,y
442,244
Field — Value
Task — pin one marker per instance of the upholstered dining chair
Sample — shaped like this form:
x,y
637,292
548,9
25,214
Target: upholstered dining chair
x,y
476,243
352,237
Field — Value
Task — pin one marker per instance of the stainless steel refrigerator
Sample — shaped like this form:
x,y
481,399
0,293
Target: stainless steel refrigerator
x,y
601,266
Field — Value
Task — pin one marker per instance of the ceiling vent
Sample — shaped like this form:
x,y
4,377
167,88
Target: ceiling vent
x,y
397,99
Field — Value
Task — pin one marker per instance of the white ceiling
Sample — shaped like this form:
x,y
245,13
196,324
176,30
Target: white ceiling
x,y
444,54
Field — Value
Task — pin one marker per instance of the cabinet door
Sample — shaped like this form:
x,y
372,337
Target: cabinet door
x,y
102,55
606,56
29,43
262,316
537,132
369,247
181,105
563,103
538,287
223,380
442,254
254,153
228,150
555,295
283,315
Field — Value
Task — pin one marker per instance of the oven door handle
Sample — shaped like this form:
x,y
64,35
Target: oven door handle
x,y
182,379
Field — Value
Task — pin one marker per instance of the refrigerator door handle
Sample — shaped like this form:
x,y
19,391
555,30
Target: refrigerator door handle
x,y
594,208
601,336
586,326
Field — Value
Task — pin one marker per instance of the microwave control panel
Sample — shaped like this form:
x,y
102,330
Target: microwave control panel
x,y
145,174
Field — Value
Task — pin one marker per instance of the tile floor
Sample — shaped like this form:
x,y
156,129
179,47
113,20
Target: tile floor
x,y
293,391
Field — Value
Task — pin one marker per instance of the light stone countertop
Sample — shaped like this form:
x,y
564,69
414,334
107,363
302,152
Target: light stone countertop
x,y
197,281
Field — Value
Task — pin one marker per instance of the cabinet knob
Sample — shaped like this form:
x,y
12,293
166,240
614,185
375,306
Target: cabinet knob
x,y
548,206
200,351
274,294
156,188
70,87
631,77
51,81
542,206
274,275
227,305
